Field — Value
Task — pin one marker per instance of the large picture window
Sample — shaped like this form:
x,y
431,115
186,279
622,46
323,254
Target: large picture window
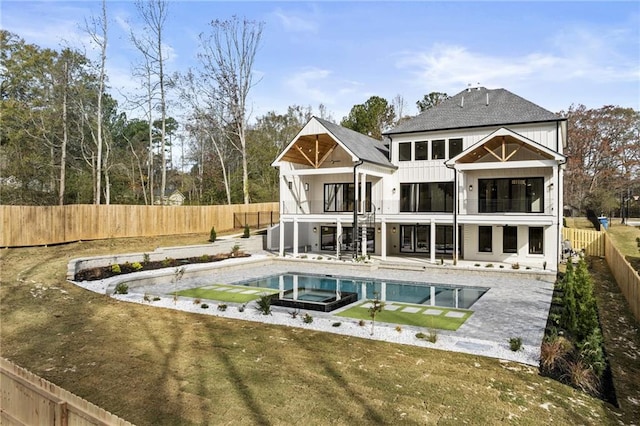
x,y
536,240
510,239
426,197
338,197
415,238
512,195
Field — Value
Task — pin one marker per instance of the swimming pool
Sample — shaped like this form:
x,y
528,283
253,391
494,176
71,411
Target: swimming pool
x,y
324,289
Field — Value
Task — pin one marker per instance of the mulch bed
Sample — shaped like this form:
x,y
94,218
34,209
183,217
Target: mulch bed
x,y
103,272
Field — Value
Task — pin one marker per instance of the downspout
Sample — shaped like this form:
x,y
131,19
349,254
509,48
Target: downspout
x,y
354,231
455,213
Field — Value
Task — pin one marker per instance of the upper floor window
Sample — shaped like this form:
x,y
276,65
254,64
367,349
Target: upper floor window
x,y
338,197
437,149
511,195
455,147
404,151
422,150
426,197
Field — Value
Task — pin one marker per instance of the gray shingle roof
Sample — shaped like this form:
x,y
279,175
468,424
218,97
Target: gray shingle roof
x,y
362,146
469,108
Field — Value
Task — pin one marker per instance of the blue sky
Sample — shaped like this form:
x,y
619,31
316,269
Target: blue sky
x,y
341,53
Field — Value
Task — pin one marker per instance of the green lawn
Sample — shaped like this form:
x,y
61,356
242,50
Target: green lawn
x,y
222,293
624,238
419,318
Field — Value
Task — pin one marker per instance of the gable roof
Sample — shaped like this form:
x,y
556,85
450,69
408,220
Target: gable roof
x,y
496,147
477,107
358,145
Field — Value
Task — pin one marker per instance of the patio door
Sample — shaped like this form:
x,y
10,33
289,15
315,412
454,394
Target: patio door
x,y
415,238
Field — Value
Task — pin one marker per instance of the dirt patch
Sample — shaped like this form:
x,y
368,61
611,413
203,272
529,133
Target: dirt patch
x,y
621,334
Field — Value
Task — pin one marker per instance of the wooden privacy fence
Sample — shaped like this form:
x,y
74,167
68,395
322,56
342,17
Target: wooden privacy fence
x,y
27,399
627,278
42,225
592,242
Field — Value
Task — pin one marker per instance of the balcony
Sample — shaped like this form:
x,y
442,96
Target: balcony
x,y
506,206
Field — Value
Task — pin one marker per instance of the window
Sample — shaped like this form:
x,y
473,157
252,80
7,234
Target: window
x,y
329,238
536,240
485,239
338,197
415,238
421,150
510,239
511,195
426,197
404,151
455,147
437,150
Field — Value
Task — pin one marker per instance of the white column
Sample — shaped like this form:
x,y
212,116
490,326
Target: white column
x,y
281,248
383,243
295,287
338,238
295,237
432,240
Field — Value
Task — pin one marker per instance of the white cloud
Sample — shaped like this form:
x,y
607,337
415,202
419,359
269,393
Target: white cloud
x,y
296,22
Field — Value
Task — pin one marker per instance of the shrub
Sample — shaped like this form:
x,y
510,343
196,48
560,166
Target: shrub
x,y
205,258
294,314
222,307
432,337
146,298
116,269
420,335
204,306
336,324
376,307
146,258
553,352
156,298
136,266
212,234
582,377
307,319
489,265
242,307
247,231
235,250
476,264
515,344
196,301
398,329
361,323
263,304
515,265
591,352
121,288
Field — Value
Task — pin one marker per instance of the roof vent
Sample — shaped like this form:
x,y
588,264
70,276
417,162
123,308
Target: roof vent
x,y
487,98
462,102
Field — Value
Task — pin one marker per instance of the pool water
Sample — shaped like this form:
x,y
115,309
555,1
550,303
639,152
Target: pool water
x,y
321,288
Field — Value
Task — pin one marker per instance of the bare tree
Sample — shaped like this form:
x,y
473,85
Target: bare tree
x,y
228,54
150,44
97,30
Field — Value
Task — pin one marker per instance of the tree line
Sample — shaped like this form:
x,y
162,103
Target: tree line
x,y
65,139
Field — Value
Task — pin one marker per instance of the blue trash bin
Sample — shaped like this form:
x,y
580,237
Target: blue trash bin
x,y
604,221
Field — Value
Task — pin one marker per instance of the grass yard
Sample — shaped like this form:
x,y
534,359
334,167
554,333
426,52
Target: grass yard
x,y
435,317
221,293
155,366
624,237
579,223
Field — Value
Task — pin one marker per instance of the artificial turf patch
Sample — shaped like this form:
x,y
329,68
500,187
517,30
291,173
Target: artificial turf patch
x,y
415,317
221,293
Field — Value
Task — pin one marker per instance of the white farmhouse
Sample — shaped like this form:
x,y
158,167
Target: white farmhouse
x,y
477,178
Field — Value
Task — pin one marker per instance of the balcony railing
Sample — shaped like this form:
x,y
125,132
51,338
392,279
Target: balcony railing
x,y
467,206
